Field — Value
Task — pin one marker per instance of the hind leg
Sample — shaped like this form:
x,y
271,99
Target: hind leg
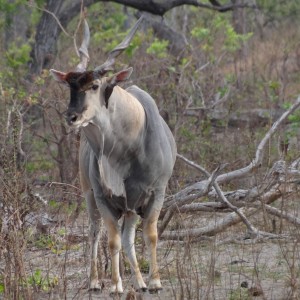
x,y
128,236
86,163
150,237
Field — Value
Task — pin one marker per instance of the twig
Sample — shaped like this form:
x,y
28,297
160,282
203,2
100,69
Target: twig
x,y
192,164
21,131
65,184
30,4
8,125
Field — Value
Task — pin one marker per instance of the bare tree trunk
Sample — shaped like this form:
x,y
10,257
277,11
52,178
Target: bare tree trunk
x,y
44,49
239,20
239,17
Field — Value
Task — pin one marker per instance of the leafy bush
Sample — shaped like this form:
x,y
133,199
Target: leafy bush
x,y
158,48
40,282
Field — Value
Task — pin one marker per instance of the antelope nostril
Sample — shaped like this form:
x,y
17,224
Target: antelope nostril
x,y
73,118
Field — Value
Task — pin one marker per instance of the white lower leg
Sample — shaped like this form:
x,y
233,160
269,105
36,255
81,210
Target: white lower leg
x,y
128,236
114,242
150,235
94,283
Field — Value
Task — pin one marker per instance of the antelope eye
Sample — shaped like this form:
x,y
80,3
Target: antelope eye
x,y
95,86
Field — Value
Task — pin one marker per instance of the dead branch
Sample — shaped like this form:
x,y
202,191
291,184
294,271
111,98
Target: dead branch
x,y
217,226
205,207
238,211
274,186
161,7
187,195
283,188
252,230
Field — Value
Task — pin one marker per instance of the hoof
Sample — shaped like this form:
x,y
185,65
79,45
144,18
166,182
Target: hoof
x,y
142,290
94,290
116,289
155,290
116,295
154,286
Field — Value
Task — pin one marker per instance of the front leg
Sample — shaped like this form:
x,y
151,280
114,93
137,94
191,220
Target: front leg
x,y
111,225
114,244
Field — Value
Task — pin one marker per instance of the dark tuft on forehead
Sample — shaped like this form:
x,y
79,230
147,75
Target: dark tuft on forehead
x,y
79,80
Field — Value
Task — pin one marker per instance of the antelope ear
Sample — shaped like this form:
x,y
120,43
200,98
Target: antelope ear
x,y
59,76
119,77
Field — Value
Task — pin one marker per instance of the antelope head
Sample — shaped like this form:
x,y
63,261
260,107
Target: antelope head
x,y
87,88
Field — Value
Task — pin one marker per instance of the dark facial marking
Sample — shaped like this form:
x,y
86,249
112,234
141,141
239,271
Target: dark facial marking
x,y
107,93
80,81
76,105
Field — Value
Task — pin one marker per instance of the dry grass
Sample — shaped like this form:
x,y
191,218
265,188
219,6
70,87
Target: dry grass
x,y
210,269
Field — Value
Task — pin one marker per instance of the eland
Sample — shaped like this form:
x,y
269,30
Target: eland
x,y
126,157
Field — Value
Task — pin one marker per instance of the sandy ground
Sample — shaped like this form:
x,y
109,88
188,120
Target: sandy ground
x,y
206,270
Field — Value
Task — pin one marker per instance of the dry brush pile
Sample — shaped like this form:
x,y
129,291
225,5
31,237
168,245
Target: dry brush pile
x,y
279,182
